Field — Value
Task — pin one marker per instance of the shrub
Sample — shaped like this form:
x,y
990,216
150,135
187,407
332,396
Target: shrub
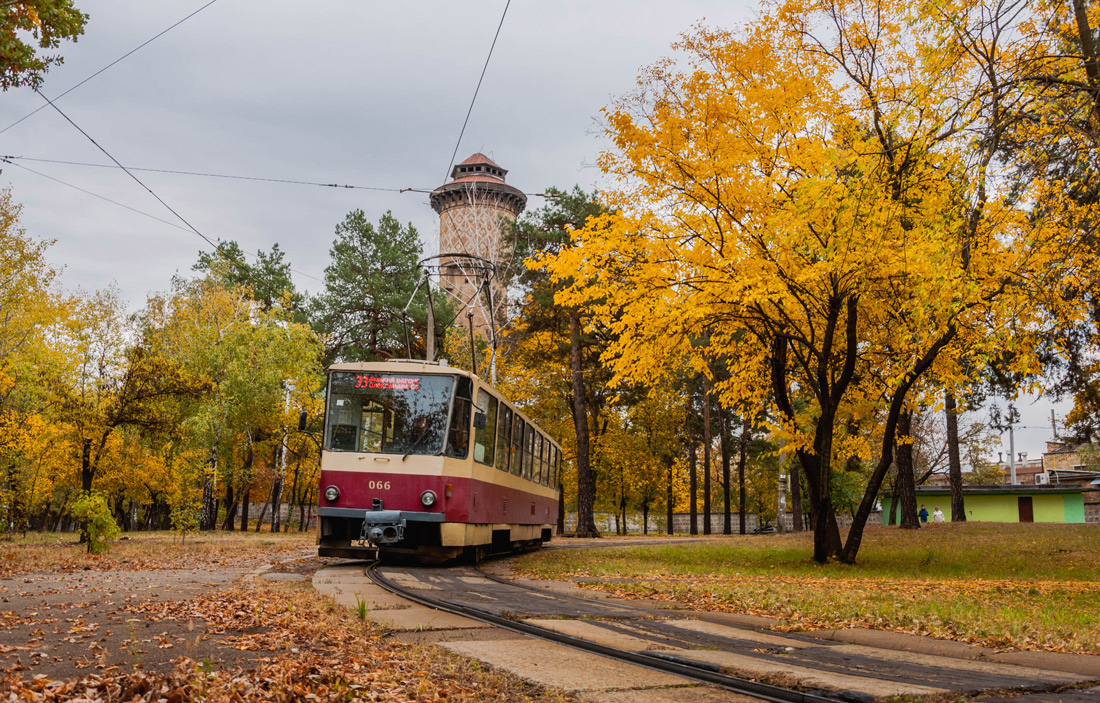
x,y
97,523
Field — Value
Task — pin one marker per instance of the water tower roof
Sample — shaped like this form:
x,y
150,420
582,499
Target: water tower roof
x,y
478,167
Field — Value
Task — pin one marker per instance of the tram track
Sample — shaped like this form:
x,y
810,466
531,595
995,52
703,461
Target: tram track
x,y
658,661
709,648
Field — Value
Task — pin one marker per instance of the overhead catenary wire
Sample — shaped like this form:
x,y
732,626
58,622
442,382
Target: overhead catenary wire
x,y
263,179
137,180
203,174
135,210
478,88
120,58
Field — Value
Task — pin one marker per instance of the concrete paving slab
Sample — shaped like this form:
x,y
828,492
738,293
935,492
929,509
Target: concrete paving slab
x,y
1085,695
601,635
676,694
411,582
419,617
739,633
386,601
552,664
1086,664
902,641
751,667
282,576
476,580
740,620
984,667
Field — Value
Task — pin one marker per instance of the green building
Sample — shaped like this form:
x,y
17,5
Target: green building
x,y
1007,503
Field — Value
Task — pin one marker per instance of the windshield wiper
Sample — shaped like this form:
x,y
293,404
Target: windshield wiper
x,y
415,444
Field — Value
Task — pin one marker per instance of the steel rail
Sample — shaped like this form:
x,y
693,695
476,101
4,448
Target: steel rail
x,y
665,663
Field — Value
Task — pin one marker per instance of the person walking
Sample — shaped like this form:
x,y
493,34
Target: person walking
x,y
923,514
937,515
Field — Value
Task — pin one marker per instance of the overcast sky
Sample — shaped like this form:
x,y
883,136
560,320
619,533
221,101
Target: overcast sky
x,y
334,91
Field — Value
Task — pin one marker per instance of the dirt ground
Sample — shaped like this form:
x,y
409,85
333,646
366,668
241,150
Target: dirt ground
x,y
71,624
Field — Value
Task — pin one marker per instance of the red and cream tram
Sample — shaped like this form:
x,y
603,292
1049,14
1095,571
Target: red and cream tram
x,y
426,460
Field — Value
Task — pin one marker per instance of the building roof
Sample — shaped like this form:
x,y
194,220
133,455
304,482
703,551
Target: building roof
x,y
478,177
478,167
1003,489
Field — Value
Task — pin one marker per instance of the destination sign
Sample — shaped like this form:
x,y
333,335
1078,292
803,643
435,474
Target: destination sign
x,y
387,383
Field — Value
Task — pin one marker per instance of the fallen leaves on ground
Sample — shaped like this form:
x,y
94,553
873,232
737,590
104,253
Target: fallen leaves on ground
x,y
311,650
148,552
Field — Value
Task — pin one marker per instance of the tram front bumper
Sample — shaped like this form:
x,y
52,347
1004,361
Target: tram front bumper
x,y
380,527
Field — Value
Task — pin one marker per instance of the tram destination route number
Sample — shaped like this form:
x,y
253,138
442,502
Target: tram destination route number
x,y
389,383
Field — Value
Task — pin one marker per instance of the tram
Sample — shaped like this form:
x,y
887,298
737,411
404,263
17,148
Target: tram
x,y
427,461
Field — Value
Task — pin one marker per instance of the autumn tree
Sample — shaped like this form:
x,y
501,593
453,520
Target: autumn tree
x,y
545,233
815,196
30,307
260,365
116,380
27,26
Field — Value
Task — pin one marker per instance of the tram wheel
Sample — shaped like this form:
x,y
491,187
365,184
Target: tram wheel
x,y
476,555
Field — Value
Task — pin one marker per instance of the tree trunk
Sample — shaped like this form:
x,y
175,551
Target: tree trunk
x,y
706,455
958,508
586,481
670,497
693,482
724,438
230,507
741,474
645,517
906,486
263,514
244,507
893,520
86,471
795,485
208,519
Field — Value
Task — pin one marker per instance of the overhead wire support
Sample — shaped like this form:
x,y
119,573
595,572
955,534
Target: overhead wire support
x,y
474,99
120,58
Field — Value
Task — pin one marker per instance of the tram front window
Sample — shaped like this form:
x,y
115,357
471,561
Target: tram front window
x,y
387,413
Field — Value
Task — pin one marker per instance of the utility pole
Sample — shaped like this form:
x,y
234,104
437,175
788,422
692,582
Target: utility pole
x,y
1053,425
1011,447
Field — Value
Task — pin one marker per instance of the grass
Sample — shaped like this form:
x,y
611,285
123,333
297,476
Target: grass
x,y
54,552
1001,585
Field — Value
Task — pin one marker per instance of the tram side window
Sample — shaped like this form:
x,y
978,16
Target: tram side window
x,y
504,429
542,460
485,438
528,452
540,443
517,446
458,434
553,467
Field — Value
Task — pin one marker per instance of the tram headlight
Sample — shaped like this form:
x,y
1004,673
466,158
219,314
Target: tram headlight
x,y
427,498
332,493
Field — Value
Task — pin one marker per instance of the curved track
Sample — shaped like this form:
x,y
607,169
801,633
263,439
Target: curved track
x,y
707,647
666,663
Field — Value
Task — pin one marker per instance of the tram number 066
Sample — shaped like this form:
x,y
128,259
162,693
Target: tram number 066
x,y
378,485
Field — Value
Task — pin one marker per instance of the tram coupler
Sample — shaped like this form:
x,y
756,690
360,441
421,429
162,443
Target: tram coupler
x,y
382,527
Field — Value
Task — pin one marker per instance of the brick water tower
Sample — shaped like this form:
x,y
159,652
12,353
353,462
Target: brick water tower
x,y
474,209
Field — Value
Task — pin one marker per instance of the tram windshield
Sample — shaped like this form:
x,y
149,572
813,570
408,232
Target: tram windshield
x,y
387,413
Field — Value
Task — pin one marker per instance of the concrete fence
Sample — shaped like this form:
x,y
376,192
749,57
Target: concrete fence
x,y
607,523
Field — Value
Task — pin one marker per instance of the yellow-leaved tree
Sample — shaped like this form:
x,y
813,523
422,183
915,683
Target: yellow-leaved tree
x,y
820,196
